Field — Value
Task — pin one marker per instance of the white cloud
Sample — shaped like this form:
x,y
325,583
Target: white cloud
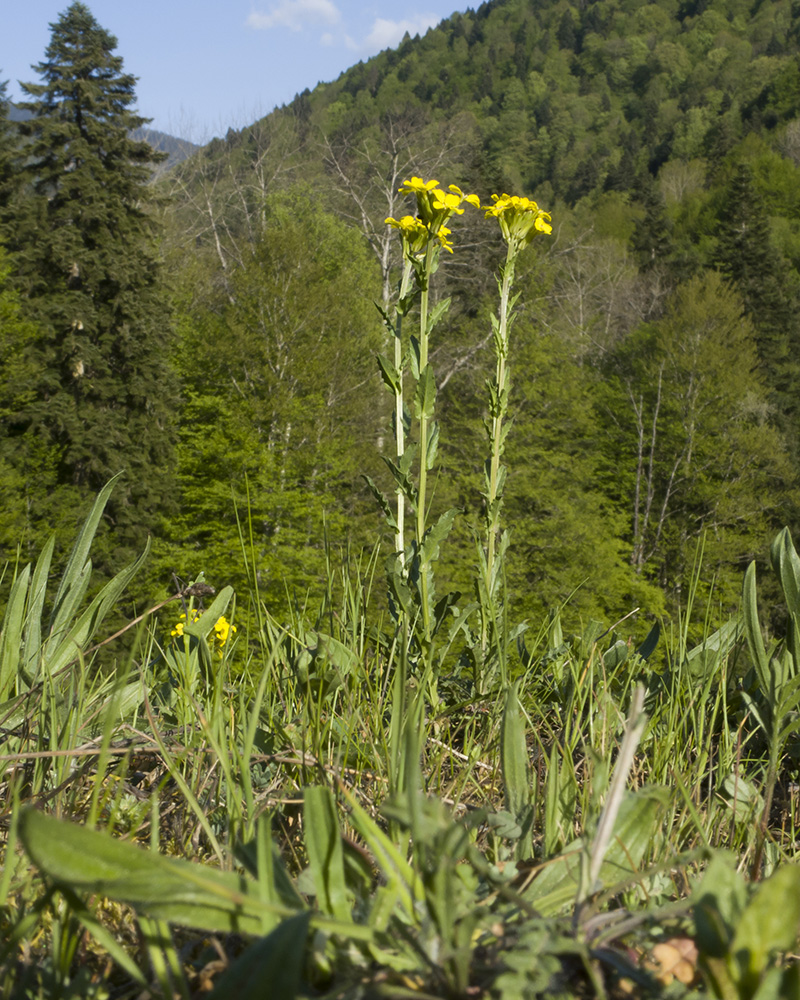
x,y
296,14
386,34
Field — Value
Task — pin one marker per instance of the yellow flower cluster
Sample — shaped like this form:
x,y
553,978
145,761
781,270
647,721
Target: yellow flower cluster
x,y
220,634
434,207
520,218
178,630
222,630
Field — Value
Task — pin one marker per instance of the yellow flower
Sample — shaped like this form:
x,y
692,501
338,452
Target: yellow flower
x,y
222,630
434,207
413,231
442,235
417,186
178,629
520,218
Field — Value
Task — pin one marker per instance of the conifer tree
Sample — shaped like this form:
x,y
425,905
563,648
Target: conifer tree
x,y
8,145
88,271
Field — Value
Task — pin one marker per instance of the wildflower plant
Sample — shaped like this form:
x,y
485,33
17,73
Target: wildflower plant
x,y
199,642
423,237
520,221
219,635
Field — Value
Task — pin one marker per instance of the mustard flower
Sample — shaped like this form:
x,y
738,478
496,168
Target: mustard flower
x,y
413,231
520,218
177,631
434,207
222,630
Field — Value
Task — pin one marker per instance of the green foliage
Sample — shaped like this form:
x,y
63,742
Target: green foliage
x,y
741,930
445,797
26,474
695,451
277,418
83,243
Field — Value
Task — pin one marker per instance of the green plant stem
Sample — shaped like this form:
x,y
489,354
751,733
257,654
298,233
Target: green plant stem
x,y
423,437
399,431
501,385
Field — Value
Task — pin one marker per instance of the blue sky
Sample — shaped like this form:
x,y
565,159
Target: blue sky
x,y
205,65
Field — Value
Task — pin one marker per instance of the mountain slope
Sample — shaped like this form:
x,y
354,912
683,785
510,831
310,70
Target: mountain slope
x,y
657,134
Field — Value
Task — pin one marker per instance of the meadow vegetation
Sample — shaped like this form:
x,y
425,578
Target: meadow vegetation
x,y
449,649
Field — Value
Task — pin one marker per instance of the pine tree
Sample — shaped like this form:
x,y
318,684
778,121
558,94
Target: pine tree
x,y
8,145
88,271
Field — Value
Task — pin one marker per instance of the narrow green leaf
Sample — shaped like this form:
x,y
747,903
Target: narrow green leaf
x,y
11,636
433,445
436,314
104,937
517,786
425,395
399,874
752,629
203,626
650,642
162,888
60,650
391,376
436,534
38,590
74,579
324,847
514,755
786,565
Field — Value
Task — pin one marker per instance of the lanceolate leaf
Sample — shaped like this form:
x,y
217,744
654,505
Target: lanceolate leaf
x,y
203,626
325,855
74,581
391,376
516,771
752,628
436,313
163,888
388,513
61,649
38,589
11,636
425,396
436,535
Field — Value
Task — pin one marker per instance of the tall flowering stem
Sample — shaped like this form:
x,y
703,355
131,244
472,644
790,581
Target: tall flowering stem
x,y
424,236
394,379
520,220
399,412
498,408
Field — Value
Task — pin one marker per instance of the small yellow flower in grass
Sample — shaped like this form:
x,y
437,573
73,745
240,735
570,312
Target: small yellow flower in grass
x,y
177,631
520,218
222,630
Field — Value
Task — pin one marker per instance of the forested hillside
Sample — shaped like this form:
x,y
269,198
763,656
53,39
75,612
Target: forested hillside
x,y
653,360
